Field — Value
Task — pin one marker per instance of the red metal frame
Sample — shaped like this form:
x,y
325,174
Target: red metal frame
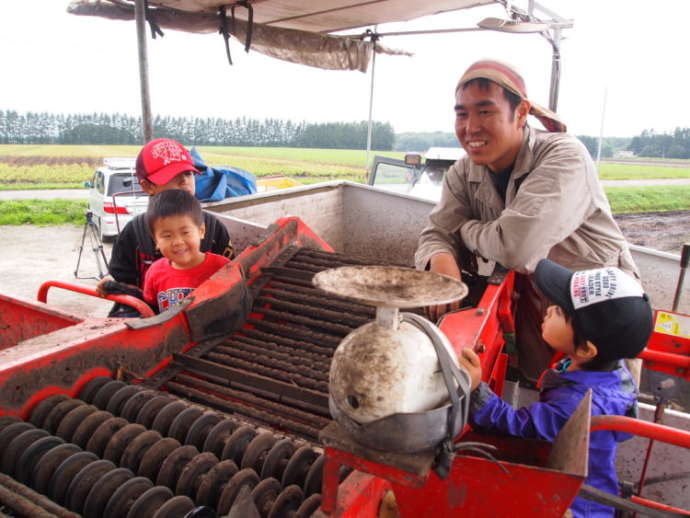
x,y
667,352
127,300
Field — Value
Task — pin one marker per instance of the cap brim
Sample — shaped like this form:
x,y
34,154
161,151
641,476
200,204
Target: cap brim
x,y
169,172
554,282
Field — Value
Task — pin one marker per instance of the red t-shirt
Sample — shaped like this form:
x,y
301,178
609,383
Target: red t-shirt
x,y
165,286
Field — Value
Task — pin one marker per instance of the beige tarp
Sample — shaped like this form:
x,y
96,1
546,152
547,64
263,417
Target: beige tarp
x,y
307,48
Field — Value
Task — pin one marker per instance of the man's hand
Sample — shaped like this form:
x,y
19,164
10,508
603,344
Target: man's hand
x,y
443,263
471,363
100,287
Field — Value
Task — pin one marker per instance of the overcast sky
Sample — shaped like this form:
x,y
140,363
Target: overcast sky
x,y
56,62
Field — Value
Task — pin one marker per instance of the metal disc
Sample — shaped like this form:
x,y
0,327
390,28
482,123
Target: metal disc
x,y
167,415
201,512
120,440
132,406
17,446
213,481
72,420
256,451
88,426
245,477
42,409
308,507
176,507
153,458
277,458
390,286
42,473
215,440
118,400
150,410
200,428
237,443
54,417
65,472
314,478
172,466
149,502
190,477
102,490
298,466
104,393
183,421
135,450
12,431
7,420
30,457
287,503
265,494
124,497
88,391
78,489
103,433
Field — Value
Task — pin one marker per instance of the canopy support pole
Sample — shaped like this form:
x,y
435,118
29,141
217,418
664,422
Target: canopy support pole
x,y
140,16
555,70
374,37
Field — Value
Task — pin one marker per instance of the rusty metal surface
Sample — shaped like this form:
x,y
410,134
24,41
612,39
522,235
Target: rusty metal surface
x,y
390,286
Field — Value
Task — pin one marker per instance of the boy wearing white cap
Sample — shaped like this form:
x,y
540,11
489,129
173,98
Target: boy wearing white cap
x,y
598,318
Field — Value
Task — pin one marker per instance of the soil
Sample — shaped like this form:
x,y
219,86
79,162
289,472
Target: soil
x,y
31,255
665,231
50,160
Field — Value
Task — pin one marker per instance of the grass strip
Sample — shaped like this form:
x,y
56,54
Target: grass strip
x,y
660,198
641,172
42,212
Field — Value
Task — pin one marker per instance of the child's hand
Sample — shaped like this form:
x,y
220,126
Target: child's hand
x,y
470,361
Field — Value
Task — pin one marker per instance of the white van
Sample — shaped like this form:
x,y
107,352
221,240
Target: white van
x,y
115,196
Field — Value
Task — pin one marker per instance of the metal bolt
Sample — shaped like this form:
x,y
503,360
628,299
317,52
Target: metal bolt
x,y
479,312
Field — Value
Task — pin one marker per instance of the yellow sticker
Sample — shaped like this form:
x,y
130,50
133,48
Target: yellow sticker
x,y
673,324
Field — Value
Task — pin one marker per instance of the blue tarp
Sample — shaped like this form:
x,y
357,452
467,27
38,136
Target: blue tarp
x,y
218,183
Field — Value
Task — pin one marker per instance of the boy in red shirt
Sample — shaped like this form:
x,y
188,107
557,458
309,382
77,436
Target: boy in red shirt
x,y
177,225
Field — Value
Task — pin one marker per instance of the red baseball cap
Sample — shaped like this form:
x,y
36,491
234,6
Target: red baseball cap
x,y
161,160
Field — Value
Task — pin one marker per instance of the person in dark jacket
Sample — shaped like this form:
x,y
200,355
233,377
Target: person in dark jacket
x,y
162,164
600,317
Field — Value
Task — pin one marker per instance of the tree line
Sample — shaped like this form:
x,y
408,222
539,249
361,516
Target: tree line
x,y
663,145
104,128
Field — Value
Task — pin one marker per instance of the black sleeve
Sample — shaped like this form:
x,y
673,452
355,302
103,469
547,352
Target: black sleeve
x,y
217,238
123,260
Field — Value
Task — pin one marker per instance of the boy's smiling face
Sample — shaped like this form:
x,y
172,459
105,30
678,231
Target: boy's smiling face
x,y
179,239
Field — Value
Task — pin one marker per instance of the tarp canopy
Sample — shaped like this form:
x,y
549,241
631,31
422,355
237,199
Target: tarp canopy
x,y
292,30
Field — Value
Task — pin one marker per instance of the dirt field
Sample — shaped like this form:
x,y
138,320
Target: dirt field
x,y
31,255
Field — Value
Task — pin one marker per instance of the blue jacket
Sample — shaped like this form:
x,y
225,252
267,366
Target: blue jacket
x,y
613,393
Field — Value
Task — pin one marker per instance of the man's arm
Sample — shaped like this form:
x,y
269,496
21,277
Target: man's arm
x,y
453,209
123,263
550,205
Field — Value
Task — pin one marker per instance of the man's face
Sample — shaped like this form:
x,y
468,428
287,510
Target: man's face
x,y
487,127
183,181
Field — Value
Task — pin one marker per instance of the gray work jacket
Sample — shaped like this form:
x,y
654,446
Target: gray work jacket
x,y
555,207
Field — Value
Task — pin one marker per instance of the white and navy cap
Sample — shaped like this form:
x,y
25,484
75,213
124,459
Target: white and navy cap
x,y
608,306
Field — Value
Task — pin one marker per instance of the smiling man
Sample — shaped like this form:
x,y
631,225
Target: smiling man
x,y
520,195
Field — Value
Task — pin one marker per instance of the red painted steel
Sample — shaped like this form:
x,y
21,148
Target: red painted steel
x,y
666,352
656,505
658,432
127,300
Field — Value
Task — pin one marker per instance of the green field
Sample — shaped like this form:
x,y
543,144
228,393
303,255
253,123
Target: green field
x,y
55,167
